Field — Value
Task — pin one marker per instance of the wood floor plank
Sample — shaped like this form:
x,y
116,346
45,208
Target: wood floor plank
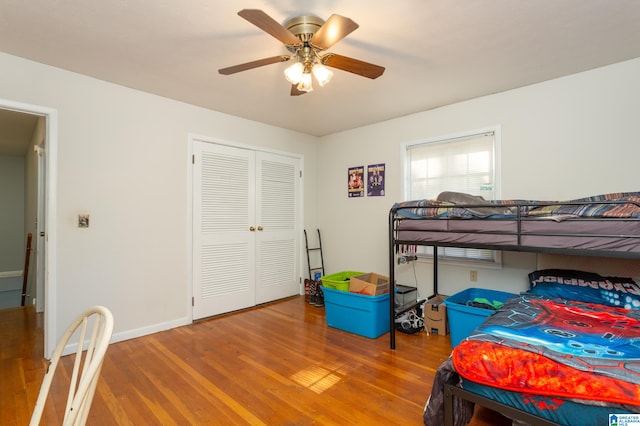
x,y
276,364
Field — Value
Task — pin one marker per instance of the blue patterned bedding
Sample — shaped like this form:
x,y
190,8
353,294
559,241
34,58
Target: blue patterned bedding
x,y
452,205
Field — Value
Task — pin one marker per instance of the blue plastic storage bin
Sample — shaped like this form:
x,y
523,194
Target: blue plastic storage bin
x,y
357,313
464,319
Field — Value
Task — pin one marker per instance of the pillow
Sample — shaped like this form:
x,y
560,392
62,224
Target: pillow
x,y
461,199
586,287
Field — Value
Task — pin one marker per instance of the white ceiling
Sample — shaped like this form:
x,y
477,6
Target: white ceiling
x,y
436,52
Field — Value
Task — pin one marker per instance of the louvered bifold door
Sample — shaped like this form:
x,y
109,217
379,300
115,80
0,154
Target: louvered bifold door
x,y
278,229
223,242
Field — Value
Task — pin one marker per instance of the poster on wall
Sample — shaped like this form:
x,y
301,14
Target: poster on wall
x,y
355,184
375,180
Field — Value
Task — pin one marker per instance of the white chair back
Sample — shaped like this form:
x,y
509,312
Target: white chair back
x,y
94,327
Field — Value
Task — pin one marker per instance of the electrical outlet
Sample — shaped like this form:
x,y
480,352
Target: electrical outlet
x,y
473,276
83,221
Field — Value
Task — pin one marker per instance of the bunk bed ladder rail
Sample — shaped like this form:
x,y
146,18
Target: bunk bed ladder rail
x,y
311,249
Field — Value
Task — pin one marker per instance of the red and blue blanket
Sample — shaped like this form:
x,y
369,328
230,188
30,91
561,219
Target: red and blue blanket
x,y
557,347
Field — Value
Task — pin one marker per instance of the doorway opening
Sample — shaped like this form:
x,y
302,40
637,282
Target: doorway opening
x,y
39,212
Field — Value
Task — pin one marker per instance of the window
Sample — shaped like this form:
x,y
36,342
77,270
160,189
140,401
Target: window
x,y
467,162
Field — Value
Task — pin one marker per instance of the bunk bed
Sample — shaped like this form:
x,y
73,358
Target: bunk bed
x,y
605,225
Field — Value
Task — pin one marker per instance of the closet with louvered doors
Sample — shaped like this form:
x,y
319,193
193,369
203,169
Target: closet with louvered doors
x,y
246,227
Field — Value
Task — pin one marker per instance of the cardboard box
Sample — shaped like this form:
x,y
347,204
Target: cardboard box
x,y
371,284
435,316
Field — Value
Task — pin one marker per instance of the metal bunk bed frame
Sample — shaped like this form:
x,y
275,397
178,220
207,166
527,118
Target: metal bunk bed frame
x,y
450,390
519,218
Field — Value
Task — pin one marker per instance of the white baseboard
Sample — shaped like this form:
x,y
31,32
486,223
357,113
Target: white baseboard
x,y
154,328
138,332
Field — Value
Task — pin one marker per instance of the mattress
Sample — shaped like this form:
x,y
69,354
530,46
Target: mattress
x,y
559,410
608,223
621,236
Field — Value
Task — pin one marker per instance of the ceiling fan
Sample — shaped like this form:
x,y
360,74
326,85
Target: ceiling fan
x,y
307,38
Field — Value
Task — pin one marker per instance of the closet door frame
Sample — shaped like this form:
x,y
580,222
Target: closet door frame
x,y
192,139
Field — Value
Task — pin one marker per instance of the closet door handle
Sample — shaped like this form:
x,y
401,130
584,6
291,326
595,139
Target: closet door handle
x,y
260,228
251,228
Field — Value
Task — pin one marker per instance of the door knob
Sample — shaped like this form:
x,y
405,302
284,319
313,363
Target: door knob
x,y
251,228
260,228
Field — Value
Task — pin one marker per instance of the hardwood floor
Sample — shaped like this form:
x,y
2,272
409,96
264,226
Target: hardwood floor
x,y
277,364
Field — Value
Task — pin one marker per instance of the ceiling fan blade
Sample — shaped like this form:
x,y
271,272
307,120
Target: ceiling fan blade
x,y
253,64
332,31
269,25
355,66
295,91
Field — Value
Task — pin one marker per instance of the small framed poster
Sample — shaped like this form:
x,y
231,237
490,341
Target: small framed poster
x,y
375,180
355,185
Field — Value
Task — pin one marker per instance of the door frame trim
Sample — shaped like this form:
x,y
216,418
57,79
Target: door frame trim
x,y
50,197
192,138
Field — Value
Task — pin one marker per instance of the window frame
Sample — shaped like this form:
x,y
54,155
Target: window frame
x,y
497,186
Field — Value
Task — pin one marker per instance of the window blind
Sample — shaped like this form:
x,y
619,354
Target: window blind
x,y
461,164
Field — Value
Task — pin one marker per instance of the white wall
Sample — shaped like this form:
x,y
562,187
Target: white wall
x,y
12,236
123,159
566,138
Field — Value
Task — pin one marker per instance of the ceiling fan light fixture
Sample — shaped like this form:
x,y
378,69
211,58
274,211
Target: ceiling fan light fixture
x,y
322,74
307,39
294,72
305,83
